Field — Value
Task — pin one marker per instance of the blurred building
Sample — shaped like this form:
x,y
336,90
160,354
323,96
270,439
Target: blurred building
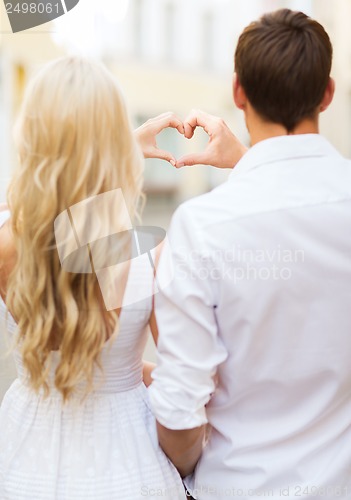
x,y
336,122
20,55
168,55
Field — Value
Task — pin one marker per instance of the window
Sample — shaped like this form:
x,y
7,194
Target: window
x,y
138,28
170,32
208,40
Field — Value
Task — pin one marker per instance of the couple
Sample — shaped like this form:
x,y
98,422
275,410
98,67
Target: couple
x,y
252,388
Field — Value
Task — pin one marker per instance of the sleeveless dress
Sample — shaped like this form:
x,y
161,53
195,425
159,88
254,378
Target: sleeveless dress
x,y
104,447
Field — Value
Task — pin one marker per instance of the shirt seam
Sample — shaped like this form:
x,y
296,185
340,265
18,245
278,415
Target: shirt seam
x,y
248,167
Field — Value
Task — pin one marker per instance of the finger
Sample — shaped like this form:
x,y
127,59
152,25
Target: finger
x,y
194,159
164,155
201,119
168,120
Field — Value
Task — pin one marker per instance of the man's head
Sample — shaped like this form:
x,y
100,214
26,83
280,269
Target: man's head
x,y
283,63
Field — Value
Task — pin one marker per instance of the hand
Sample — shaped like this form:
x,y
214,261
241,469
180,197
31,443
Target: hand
x,y
146,136
224,150
148,368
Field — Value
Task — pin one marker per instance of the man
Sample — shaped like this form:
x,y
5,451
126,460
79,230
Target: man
x,y
255,328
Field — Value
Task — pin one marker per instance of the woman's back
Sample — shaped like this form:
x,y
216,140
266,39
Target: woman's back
x,y
97,446
76,145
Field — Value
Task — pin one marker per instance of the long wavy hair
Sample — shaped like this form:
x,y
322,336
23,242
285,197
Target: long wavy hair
x,y
74,141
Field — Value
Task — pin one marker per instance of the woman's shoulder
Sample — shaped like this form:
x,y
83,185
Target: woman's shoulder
x,y
5,235
7,247
6,241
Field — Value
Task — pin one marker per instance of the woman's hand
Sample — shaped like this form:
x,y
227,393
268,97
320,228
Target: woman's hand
x,y
147,371
146,135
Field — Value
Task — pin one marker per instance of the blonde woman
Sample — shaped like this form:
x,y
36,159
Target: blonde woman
x,y
76,424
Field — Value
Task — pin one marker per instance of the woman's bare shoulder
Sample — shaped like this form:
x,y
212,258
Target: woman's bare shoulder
x,y
4,232
7,251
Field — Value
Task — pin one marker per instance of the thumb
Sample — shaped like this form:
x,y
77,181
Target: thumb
x,y
193,159
164,155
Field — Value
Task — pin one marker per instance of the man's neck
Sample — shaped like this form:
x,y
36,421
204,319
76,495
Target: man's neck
x,y
260,131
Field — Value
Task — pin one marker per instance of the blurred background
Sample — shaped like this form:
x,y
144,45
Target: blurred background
x,y
168,55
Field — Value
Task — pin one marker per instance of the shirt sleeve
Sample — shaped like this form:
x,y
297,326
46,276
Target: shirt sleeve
x,y
189,348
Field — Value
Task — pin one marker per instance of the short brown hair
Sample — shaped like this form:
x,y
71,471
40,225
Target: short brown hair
x,y
283,62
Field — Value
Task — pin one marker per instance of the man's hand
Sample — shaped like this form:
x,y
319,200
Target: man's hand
x,y
146,136
224,150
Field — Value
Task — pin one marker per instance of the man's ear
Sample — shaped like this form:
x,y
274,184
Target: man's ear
x,y
239,95
328,95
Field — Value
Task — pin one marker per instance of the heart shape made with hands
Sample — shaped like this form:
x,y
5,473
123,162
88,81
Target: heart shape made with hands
x,y
180,144
223,149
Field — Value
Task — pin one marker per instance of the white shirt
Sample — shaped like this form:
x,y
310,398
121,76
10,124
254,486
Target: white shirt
x,y
260,305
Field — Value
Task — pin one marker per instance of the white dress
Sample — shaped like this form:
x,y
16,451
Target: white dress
x,y
104,448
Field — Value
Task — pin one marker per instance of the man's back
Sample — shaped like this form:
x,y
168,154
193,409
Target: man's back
x,y
263,271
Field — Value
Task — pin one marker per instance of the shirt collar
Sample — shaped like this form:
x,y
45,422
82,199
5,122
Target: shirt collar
x,y
286,147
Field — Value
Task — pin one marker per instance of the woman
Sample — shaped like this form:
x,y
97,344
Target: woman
x,y
76,423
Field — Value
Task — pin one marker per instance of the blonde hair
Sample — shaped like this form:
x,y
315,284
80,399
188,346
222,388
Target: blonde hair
x,y
74,141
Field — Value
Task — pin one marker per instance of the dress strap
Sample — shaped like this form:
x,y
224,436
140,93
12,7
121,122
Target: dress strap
x,y
4,216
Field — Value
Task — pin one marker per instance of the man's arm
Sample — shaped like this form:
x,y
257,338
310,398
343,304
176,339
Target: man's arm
x,y
183,447
189,348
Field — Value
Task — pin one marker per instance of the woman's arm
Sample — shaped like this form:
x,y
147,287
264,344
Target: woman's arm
x,y
148,366
147,371
7,255
153,327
